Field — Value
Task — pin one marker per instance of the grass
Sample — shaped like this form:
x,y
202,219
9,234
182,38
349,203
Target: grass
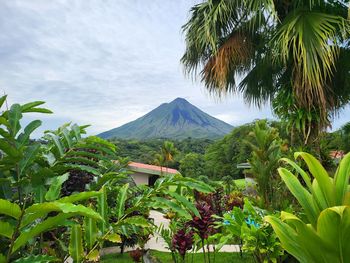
x,y
120,258
241,183
165,257
221,257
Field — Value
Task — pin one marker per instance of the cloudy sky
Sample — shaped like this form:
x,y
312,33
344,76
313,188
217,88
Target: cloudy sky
x,y
103,62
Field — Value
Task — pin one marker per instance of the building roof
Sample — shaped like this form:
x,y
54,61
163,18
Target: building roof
x,y
150,169
337,154
244,166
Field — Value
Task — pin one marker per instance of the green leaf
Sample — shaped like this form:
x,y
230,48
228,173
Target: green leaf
x,y
10,209
23,138
14,116
80,197
165,203
76,130
55,188
341,179
2,100
9,149
303,174
58,144
37,259
40,110
91,231
5,134
31,105
40,210
66,135
103,210
5,188
3,121
89,169
199,186
287,236
320,175
135,221
76,250
50,223
93,256
121,198
115,238
29,156
333,227
2,259
301,194
307,238
39,192
183,200
6,229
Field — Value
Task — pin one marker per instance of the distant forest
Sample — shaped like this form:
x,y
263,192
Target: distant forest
x,y
216,159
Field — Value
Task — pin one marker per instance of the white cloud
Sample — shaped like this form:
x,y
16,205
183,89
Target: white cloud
x,y
101,62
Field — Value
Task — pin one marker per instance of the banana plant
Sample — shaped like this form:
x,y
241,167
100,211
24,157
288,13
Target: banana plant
x,y
20,226
323,235
32,175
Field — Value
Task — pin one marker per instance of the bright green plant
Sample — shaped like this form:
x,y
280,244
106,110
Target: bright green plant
x,y
30,191
266,152
322,234
246,227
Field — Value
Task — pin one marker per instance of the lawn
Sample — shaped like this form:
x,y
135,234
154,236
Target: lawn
x,y
164,257
241,183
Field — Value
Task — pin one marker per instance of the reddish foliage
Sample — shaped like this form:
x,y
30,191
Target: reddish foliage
x,y
183,241
203,225
136,255
219,202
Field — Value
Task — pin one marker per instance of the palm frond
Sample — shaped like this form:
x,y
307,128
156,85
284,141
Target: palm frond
x,y
309,39
234,53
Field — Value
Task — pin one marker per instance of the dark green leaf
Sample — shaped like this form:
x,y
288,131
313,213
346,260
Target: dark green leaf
x,y
55,187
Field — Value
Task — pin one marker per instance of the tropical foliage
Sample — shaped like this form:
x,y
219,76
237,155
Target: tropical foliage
x,y
281,48
246,227
69,195
319,236
32,177
266,147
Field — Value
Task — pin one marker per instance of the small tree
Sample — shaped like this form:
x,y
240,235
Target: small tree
x,y
192,165
266,152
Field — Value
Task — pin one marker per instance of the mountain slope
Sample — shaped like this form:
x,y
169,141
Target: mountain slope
x,y
178,119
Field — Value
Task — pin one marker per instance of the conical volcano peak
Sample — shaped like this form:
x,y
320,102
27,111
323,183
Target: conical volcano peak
x,y
178,119
180,101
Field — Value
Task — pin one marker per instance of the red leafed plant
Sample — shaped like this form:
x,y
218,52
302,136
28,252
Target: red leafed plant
x,y
183,241
136,255
203,225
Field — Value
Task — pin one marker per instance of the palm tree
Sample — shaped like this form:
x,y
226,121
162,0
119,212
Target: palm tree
x,y
298,47
159,160
168,151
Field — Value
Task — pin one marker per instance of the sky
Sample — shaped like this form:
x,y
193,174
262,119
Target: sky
x,y
104,62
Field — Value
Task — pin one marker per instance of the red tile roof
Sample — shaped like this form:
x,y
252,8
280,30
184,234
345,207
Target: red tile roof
x,y
337,154
152,168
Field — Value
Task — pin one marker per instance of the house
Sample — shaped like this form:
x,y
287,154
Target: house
x,y
337,155
147,174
